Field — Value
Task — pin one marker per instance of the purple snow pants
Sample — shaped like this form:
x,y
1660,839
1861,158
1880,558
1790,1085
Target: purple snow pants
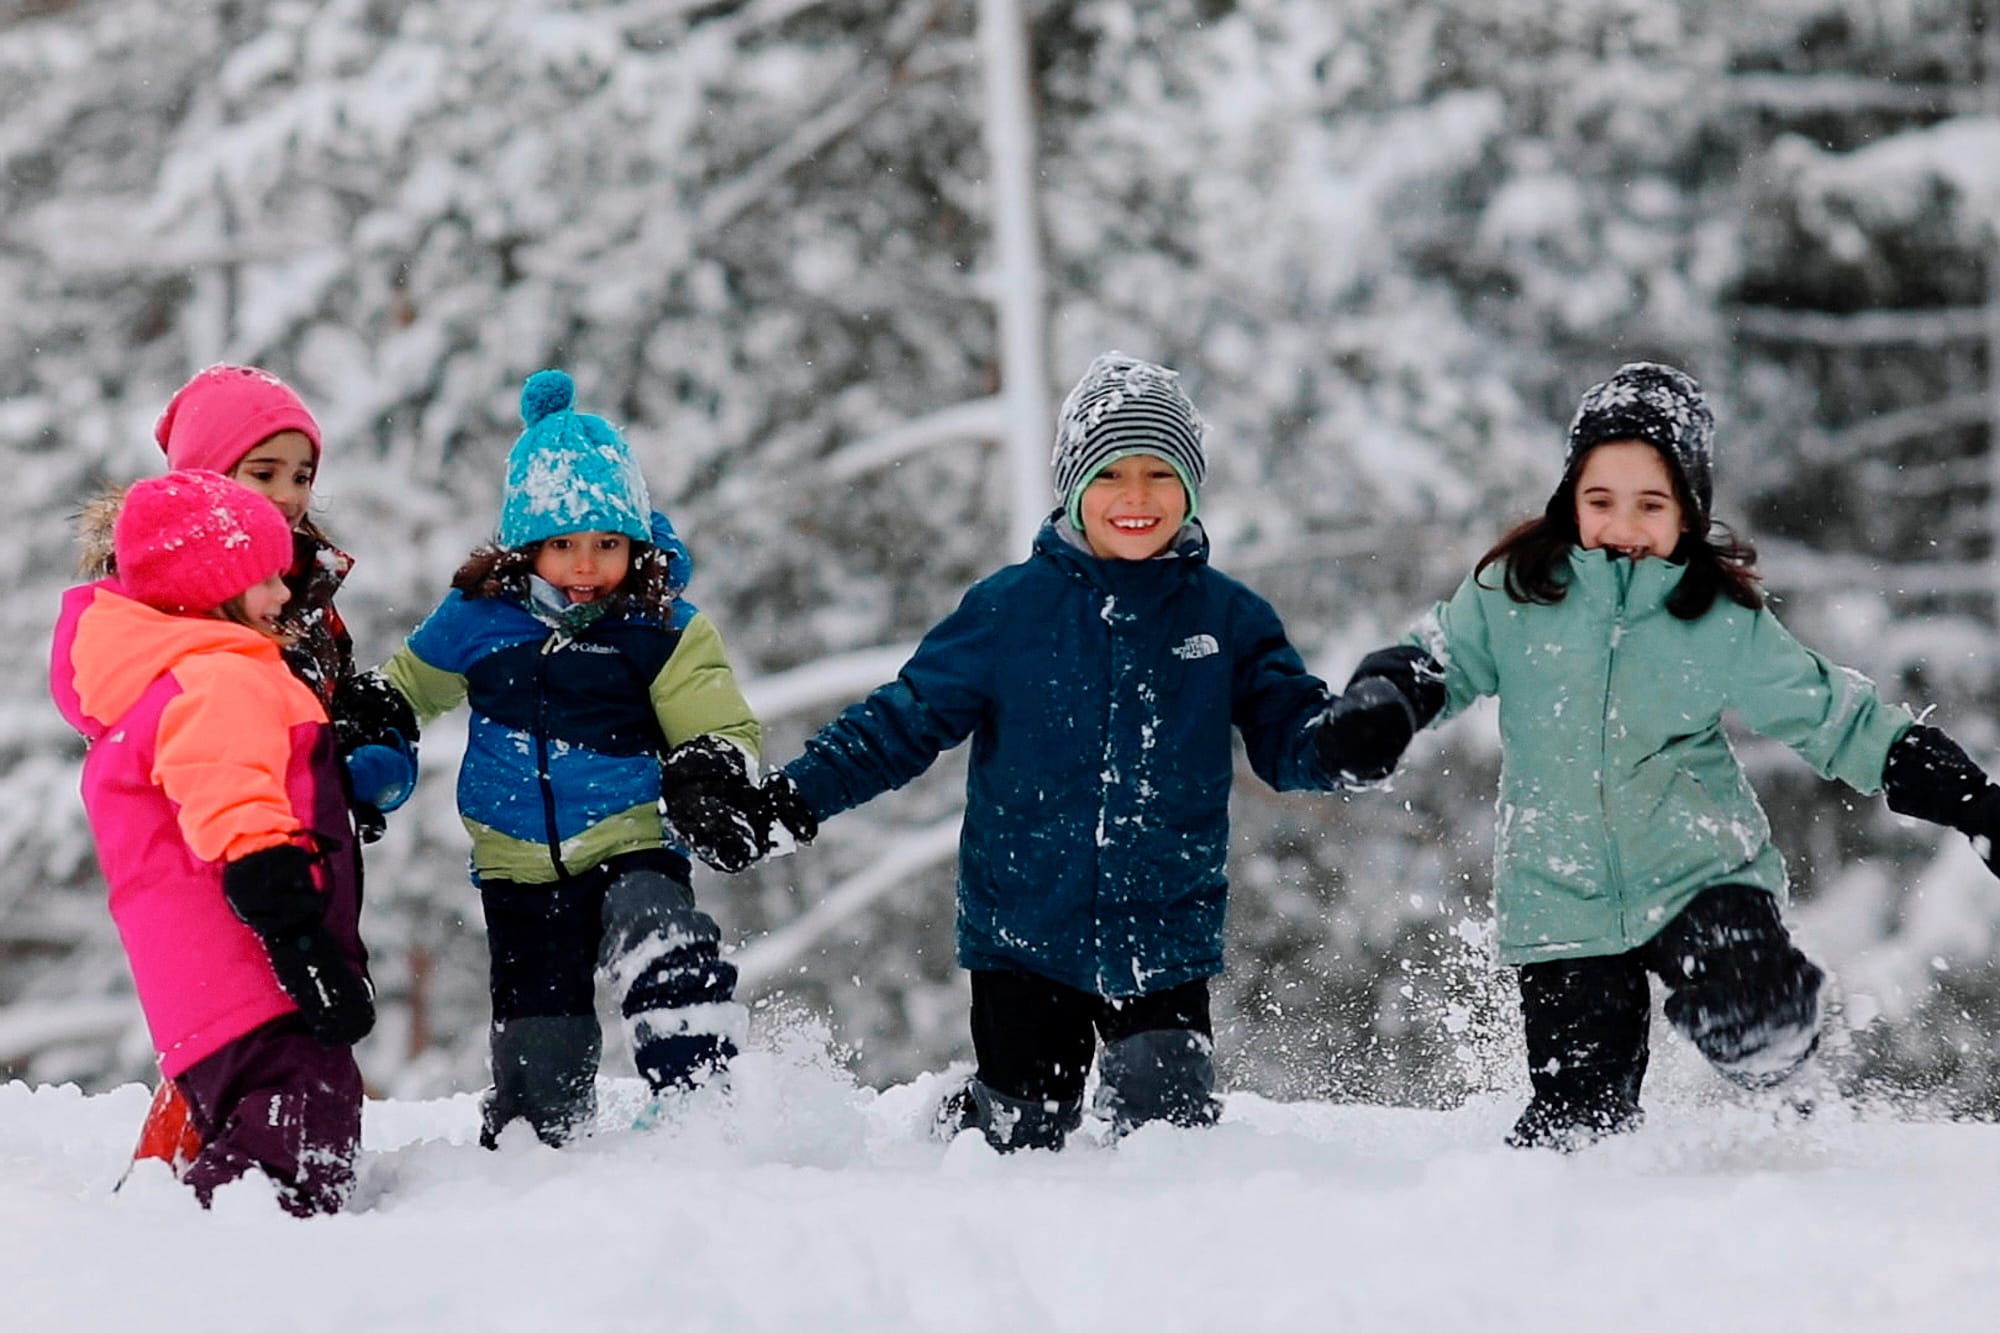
x,y
275,1100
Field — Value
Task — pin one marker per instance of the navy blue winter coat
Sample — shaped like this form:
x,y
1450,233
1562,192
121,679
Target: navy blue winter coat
x,y
1099,696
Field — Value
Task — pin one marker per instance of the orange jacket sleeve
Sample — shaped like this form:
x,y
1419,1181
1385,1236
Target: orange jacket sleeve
x,y
224,750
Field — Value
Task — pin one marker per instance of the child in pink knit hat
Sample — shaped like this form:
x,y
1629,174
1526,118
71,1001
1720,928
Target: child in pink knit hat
x,y
249,425
219,812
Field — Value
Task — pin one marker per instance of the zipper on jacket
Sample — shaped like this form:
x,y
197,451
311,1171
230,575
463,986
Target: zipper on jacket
x,y
542,778
1621,582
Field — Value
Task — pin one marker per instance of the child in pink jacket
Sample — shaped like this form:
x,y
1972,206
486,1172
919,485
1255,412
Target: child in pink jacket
x,y
220,818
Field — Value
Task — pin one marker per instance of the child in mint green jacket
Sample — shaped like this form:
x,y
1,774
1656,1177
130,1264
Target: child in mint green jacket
x,y
1616,629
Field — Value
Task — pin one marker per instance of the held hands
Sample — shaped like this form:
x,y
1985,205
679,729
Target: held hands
x,y
1929,777
1390,697
723,817
376,732
382,775
789,810
272,892
711,804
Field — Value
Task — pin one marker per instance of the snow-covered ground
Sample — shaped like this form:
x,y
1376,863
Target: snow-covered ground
x,y
798,1201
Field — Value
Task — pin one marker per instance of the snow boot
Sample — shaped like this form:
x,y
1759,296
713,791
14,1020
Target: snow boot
x,y
1566,1125
664,957
1012,1123
544,1072
956,1113
1742,992
1166,1074
1585,1021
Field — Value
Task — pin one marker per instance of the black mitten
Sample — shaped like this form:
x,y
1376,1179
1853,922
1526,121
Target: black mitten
x,y
368,710
1413,671
272,892
1364,732
789,809
1929,777
711,804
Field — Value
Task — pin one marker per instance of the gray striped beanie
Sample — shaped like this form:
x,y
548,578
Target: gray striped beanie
x,y
1124,406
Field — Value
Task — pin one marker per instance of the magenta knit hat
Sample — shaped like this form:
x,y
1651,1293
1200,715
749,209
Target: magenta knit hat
x,y
190,541
226,411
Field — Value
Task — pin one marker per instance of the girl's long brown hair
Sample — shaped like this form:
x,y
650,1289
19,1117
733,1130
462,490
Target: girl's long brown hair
x,y
1536,555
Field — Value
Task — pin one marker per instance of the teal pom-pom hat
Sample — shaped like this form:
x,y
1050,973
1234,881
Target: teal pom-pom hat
x,y
569,472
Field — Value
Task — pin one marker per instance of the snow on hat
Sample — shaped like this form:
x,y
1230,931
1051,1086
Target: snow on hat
x,y
226,411
1659,405
569,471
191,540
1124,406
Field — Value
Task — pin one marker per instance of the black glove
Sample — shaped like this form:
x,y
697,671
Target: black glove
x,y
789,809
1929,777
272,892
1363,733
369,823
368,710
711,804
1413,671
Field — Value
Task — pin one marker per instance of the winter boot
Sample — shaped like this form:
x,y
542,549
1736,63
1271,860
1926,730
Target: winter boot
x,y
955,1114
544,1072
1566,1125
1166,1074
1011,1123
664,957
1742,992
1585,1021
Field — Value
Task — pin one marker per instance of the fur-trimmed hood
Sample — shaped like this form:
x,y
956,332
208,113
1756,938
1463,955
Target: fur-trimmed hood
x,y
94,528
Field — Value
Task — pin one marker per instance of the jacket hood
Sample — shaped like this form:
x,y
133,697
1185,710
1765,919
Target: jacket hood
x,y
1063,544
95,528
109,649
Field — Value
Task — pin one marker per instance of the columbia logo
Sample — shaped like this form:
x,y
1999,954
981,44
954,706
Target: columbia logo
x,y
1198,645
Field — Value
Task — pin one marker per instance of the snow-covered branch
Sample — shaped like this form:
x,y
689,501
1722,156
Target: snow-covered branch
x,y
29,1028
979,419
1892,428
1848,94
832,680
758,964
1868,328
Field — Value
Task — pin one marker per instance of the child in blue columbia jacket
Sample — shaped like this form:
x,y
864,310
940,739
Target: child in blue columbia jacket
x,y
597,692
1099,682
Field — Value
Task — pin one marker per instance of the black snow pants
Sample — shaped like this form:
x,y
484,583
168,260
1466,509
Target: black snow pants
x,y
633,916
1737,987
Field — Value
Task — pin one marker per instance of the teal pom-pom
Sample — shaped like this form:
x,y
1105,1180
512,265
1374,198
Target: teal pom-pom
x,y
546,393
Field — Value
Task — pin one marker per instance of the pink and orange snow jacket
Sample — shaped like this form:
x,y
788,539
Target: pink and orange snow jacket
x,y
204,747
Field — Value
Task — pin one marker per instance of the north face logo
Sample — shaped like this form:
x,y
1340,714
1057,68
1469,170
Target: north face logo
x,y
1198,645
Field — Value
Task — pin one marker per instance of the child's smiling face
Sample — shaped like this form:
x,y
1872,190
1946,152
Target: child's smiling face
x,y
1625,501
264,602
1133,508
281,468
585,566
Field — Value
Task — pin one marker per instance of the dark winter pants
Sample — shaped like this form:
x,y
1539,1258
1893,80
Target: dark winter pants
x,y
1034,1040
276,1101
634,916
1737,988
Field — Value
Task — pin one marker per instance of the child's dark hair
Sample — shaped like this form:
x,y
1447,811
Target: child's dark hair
x,y
1536,555
493,570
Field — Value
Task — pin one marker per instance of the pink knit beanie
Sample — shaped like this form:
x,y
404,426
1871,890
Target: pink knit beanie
x,y
226,411
190,541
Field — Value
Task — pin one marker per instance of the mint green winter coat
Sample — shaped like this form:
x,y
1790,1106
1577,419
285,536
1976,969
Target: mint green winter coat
x,y
1620,798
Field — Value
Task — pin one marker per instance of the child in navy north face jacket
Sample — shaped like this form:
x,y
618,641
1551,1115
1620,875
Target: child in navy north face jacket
x,y
1099,681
